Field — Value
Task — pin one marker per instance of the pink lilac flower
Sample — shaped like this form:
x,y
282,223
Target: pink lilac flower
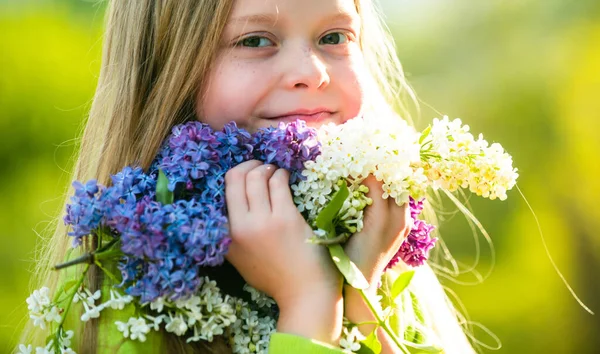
x,y
414,251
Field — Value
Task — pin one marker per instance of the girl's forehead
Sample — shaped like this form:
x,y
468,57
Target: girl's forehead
x,y
281,10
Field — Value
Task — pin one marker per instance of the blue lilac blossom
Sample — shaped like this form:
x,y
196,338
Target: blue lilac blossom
x,y
85,212
165,246
414,251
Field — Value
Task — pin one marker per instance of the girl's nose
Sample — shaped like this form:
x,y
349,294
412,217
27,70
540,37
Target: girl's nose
x,y
305,69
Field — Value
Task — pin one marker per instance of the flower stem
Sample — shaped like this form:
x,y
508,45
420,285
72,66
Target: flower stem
x,y
331,241
86,258
58,333
382,323
108,251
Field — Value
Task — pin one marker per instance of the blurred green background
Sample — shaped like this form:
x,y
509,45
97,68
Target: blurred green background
x,y
525,73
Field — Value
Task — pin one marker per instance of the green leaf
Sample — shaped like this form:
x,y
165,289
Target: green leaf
x,y
163,194
371,344
409,333
425,134
364,350
348,269
325,218
417,308
402,282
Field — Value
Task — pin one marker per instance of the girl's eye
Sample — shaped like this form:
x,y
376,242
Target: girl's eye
x,y
334,38
255,42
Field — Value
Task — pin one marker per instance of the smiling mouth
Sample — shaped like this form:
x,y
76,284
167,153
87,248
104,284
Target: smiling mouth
x,y
314,117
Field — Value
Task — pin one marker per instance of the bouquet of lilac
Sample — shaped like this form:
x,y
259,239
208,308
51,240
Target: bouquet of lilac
x,y
166,228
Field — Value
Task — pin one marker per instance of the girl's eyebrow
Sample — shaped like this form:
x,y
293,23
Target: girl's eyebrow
x,y
271,19
268,19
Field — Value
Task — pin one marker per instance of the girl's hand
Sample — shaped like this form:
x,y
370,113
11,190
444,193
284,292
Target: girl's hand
x,y
270,251
386,225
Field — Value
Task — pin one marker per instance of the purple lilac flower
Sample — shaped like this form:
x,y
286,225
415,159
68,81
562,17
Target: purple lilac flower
x,y
416,207
414,251
287,146
189,153
165,247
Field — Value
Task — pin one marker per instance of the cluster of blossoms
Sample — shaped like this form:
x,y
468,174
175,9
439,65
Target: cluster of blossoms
x,y
41,309
454,159
407,163
60,344
353,151
415,248
44,312
201,316
165,246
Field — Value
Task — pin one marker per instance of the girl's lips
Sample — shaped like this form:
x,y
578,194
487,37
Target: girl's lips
x,y
309,118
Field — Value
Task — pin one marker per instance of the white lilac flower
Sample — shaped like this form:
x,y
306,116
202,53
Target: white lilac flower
x,y
138,328
48,349
117,301
158,304
86,296
88,300
44,350
135,328
350,339
38,300
176,325
250,332
260,298
64,342
155,321
90,312
25,349
456,160
123,328
41,309
353,151
207,313
65,338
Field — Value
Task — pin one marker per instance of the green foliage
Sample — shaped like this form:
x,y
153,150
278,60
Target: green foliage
x,y
371,344
326,217
401,283
348,269
163,194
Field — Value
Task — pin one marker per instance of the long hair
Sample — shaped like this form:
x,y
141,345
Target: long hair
x,y
155,60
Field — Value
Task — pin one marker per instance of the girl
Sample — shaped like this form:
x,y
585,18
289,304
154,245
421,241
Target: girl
x,y
258,63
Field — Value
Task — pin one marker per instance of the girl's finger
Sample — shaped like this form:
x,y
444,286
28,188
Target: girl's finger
x,y
400,215
257,188
279,188
235,187
377,213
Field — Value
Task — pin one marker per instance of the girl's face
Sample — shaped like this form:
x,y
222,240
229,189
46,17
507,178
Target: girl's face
x,y
282,60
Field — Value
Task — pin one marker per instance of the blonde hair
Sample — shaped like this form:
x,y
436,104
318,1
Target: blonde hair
x,y
156,57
